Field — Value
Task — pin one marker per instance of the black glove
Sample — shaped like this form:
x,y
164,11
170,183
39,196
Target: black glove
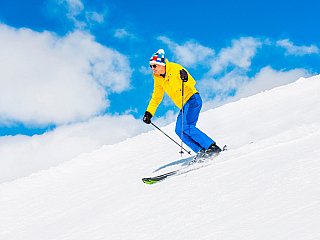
x,y
184,75
147,117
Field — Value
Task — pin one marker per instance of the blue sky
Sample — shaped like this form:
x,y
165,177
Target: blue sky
x,y
93,55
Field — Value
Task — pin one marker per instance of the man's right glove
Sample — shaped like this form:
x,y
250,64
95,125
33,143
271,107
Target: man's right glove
x,y
147,117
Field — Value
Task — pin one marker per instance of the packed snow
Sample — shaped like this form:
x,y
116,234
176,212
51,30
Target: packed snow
x,y
266,186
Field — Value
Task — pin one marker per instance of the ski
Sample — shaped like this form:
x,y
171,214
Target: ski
x,y
186,169
159,178
190,167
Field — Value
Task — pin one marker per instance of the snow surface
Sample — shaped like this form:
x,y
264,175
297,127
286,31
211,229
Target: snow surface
x,y
266,186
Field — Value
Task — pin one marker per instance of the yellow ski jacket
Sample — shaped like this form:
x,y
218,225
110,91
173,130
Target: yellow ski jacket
x,y
172,85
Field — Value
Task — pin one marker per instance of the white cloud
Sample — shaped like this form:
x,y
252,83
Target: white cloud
x,y
223,87
23,155
47,79
243,86
122,33
296,50
269,78
74,6
229,68
239,54
94,16
77,10
190,54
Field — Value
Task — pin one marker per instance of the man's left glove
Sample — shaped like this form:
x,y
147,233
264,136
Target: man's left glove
x,y
184,75
147,117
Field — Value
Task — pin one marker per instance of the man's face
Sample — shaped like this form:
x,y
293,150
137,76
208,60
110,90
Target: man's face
x,y
158,69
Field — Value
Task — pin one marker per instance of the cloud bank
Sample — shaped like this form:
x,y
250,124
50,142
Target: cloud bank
x,y
23,155
234,86
47,79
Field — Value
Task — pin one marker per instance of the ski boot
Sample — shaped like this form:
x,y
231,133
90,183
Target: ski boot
x,y
212,151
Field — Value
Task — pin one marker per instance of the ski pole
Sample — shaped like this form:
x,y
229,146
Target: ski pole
x,y
184,78
170,138
182,121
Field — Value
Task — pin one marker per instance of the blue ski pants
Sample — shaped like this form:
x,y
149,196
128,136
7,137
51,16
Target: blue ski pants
x,y
192,136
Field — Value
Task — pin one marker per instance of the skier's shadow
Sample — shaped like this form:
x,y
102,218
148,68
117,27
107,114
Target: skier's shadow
x,y
183,162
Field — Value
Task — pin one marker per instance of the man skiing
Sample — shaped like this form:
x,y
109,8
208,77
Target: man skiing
x,y
170,77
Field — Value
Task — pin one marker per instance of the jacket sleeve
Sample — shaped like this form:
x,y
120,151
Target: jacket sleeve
x,y
157,97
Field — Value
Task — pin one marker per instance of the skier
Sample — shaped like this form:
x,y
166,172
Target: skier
x,y
170,77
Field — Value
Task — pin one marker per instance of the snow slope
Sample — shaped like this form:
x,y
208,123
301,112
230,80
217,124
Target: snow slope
x,y
267,186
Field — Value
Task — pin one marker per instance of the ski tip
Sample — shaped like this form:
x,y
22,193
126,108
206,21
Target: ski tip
x,y
148,181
